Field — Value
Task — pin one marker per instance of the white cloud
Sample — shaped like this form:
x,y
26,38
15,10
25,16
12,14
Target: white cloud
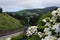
x,y
14,5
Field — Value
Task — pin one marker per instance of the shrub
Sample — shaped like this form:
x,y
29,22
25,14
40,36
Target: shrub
x,y
34,37
41,28
39,22
20,37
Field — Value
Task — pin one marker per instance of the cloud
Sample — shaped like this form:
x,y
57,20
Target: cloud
x,y
15,5
51,3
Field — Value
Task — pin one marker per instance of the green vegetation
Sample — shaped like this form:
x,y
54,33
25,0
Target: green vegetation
x,y
39,22
20,37
8,23
32,14
24,37
34,37
35,16
41,28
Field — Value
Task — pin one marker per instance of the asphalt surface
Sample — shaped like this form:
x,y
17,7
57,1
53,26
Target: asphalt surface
x,y
13,34
10,35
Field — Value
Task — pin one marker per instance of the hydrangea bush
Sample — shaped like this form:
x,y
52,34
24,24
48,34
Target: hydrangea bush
x,y
51,30
48,30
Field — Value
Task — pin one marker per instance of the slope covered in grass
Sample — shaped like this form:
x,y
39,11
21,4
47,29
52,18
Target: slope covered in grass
x,y
8,23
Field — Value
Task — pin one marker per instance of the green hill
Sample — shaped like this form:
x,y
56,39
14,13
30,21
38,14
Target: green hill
x,y
8,23
31,14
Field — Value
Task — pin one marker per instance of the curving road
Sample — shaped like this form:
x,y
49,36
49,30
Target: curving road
x,y
11,35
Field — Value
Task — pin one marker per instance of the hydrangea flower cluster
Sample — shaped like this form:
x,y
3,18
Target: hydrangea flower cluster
x,y
31,30
52,30
7,38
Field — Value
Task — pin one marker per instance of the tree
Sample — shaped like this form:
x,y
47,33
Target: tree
x,y
0,10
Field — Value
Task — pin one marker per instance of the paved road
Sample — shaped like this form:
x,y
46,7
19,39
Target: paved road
x,y
11,35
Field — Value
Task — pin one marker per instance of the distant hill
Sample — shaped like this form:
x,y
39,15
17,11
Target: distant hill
x,y
31,14
36,11
8,23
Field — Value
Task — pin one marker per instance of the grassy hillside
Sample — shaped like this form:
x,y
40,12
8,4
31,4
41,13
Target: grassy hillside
x,y
8,23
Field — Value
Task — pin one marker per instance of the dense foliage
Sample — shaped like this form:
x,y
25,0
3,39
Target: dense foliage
x,y
24,37
20,37
39,22
34,37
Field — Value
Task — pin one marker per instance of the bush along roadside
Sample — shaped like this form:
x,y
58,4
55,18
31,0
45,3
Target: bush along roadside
x,y
50,30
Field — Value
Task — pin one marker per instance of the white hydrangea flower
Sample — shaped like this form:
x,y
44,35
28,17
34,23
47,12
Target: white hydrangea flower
x,y
54,12
47,38
58,9
46,29
50,38
29,33
8,38
31,30
44,20
42,39
48,24
54,18
53,28
57,27
47,32
51,20
58,13
40,34
53,38
58,38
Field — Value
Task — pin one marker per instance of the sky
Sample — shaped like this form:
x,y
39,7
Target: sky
x,y
15,5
